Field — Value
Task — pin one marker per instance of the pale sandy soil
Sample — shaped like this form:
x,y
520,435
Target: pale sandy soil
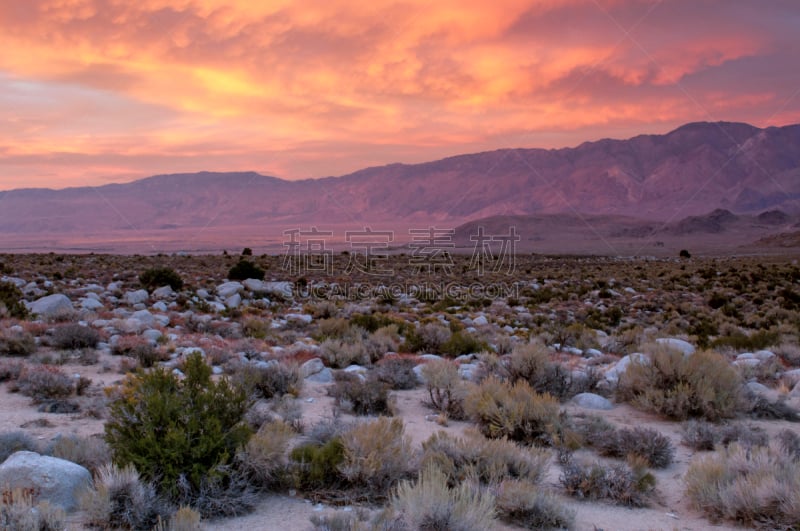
x,y
669,510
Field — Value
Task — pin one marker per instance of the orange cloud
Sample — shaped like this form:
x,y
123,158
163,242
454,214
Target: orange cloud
x,y
97,89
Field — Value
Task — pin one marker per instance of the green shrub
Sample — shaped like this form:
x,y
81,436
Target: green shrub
x,y
462,343
741,342
679,387
121,499
488,461
157,277
171,429
758,487
244,270
11,301
363,397
17,344
429,503
15,441
514,411
75,336
446,389
529,506
316,465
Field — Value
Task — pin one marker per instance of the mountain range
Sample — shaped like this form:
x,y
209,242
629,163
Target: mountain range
x,y
672,181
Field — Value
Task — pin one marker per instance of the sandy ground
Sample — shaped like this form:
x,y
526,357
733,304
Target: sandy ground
x,y
669,510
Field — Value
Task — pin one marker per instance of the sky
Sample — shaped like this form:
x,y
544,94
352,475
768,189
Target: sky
x,y
99,91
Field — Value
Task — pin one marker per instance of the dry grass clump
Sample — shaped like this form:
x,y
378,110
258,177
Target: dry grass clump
x,y
514,411
16,441
138,348
340,521
45,382
680,387
274,380
531,507
367,396
703,435
121,499
184,519
532,363
653,447
488,461
358,462
397,372
75,336
341,353
264,457
89,452
446,389
430,503
17,344
627,484
18,512
758,486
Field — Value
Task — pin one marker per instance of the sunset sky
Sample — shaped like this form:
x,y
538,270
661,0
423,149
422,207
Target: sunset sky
x,y
98,91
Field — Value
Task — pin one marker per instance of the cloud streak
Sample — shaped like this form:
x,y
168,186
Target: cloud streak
x,y
99,90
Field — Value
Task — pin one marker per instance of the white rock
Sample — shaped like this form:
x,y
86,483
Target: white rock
x,y
136,297
253,284
282,289
323,376
160,306
51,306
234,301
592,353
299,317
592,401
18,282
764,355
152,335
619,368
57,481
749,362
229,289
312,366
91,304
144,317
164,292
481,320
574,351
677,344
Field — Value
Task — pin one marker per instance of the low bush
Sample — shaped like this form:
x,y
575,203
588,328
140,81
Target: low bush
x,y
427,338
11,301
273,380
139,349
341,353
16,441
757,486
461,343
649,444
264,457
75,336
703,435
245,269
89,452
430,503
626,484
45,382
789,442
397,373
532,363
680,387
364,397
19,512
315,465
17,344
377,454
10,370
157,277
121,499
179,430
446,389
487,461
514,411
531,507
